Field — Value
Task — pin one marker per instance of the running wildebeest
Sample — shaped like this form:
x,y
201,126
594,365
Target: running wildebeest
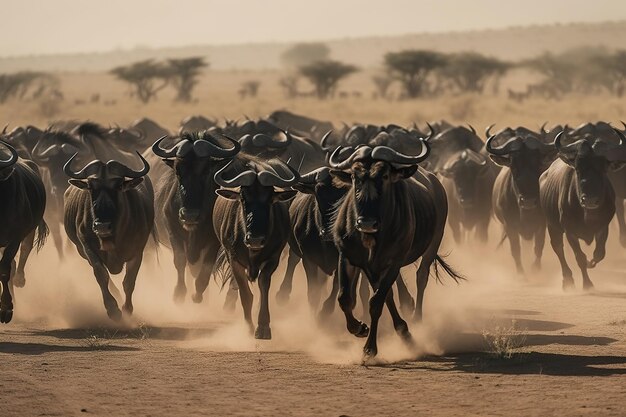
x,y
516,191
110,218
185,195
252,225
386,221
578,199
22,204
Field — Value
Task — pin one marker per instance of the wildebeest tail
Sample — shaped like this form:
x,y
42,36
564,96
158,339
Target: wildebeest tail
x,y
439,261
42,234
222,271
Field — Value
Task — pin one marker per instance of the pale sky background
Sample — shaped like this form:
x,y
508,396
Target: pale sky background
x,y
62,26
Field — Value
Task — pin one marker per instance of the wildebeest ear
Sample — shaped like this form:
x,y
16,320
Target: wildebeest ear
x,y
284,195
305,188
130,184
227,194
169,162
503,161
79,183
341,178
403,173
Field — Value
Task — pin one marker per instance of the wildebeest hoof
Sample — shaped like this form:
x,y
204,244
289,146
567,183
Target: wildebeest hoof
x,y
114,314
282,298
360,330
128,309
588,285
6,316
179,294
592,264
196,298
536,266
19,280
263,333
369,353
568,284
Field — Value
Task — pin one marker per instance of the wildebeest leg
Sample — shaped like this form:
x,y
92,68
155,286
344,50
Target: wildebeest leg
x,y
407,303
600,251
103,278
55,231
245,293
422,275
346,298
180,262
206,269
313,283
621,220
516,249
377,303
556,240
402,329
6,263
132,269
581,259
540,241
230,303
263,330
364,296
329,305
19,279
282,296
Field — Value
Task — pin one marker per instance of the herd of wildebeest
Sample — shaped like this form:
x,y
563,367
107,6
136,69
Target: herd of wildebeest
x,y
363,200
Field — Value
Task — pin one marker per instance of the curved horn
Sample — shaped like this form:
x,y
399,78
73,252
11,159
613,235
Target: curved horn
x,y
269,178
323,142
124,171
12,159
90,169
163,153
431,132
472,128
385,153
204,148
543,128
488,130
317,175
4,131
503,150
246,178
476,157
339,161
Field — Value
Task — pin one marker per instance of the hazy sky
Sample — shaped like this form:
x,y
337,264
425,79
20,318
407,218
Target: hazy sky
x,y
53,26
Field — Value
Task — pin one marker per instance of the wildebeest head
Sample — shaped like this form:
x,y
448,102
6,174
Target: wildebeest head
x,y
463,170
527,157
371,172
327,194
7,163
592,159
195,159
257,182
105,182
196,123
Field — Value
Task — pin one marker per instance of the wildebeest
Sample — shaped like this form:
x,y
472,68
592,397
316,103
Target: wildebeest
x,y
301,125
22,204
386,221
195,123
516,190
150,130
110,218
185,195
578,199
252,225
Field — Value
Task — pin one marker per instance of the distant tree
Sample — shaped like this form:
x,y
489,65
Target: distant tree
x,y
146,78
325,75
183,74
558,73
302,54
289,84
382,82
412,68
249,89
470,71
19,84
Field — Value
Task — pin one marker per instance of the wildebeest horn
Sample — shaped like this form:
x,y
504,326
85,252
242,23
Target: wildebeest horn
x,y
510,145
246,178
561,148
204,148
323,142
275,179
339,160
12,159
472,128
387,154
4,131
90,169
163,153
543,128
431,132
315,176
488,130
262,141
474,156
122,170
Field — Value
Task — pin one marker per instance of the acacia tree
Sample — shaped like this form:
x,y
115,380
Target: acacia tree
x,y
412,68
470,71
302,54
382,82
18,85
183,74
146,78
325,75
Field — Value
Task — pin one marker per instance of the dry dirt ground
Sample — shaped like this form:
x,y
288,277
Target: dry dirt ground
x,y
61,356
